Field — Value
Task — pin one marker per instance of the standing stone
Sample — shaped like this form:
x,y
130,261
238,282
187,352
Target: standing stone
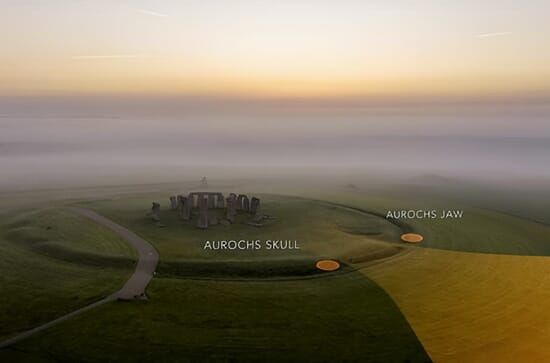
x,y
203,213
155,212
183,207
219,203
211,201
191,200
246,204
231,208
173,203
188,209
254,205
240,199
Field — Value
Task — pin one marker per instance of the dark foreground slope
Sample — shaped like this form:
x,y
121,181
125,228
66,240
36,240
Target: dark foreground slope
x,y
343,317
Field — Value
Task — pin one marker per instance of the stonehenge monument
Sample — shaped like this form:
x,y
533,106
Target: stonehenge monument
x,y
220,201
184,207
155,210
211,201
173,203
231,209
246,204
179,201
202,205
254,205
202,222
240,200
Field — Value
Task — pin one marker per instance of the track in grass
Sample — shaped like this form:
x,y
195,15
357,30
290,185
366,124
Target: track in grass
x,y
134,288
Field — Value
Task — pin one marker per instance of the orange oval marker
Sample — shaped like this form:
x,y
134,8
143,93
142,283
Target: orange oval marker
x,y
327,265
412,238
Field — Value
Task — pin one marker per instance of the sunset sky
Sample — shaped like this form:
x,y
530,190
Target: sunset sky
x,y
99,92
299,48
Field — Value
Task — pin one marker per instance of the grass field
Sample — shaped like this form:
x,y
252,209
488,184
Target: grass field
x,y
463,306
490,306
54,262
299,318
339,318
322,231
480,230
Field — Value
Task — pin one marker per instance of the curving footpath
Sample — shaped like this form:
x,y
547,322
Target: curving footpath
x,y
134,288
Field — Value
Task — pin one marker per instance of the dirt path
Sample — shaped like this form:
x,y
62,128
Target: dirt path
x,y
134,288
148,256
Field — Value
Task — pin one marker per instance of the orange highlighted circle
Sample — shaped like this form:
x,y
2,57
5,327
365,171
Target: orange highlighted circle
x,y
327,265
412,238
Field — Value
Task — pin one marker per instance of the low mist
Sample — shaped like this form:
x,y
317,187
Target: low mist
x,y
52,144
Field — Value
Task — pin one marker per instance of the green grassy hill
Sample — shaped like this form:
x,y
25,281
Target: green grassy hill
x,y
250,306
480,230
322,231
53,262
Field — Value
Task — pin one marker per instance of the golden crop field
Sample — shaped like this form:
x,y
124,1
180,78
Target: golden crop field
x,y
471,307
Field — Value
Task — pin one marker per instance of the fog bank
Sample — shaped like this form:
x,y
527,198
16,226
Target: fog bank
x,y
48,145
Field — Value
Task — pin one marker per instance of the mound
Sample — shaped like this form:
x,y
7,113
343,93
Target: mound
x,y
236,270
54,262
52,233
319,230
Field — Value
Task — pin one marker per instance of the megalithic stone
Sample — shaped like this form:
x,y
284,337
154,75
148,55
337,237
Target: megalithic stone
x,y
240,199
173,203
187,208
191,200
246,204
203,212
155,211
254,205
230,209
183,207
211,201
219,203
